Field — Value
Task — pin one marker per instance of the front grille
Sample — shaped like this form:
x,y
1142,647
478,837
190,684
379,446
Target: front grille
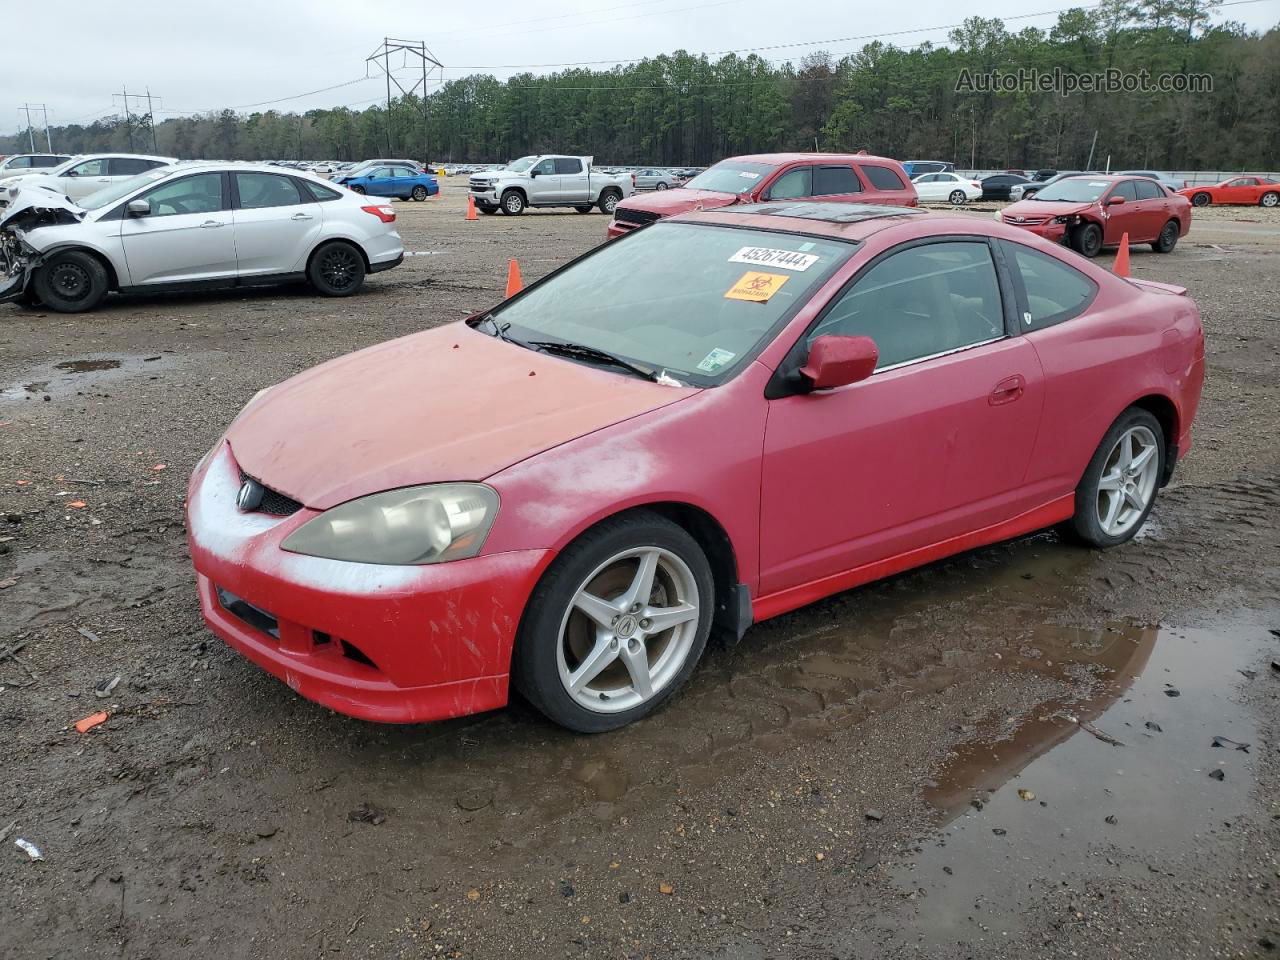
x,y
1026,221
274,502
638,217
480,186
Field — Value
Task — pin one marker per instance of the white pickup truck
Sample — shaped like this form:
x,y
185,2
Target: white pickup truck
x,y
549,180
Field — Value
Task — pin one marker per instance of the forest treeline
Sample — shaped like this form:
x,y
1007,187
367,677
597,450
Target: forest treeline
x,y
686,109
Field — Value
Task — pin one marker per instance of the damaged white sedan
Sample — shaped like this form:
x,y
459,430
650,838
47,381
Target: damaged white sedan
x,y
191,227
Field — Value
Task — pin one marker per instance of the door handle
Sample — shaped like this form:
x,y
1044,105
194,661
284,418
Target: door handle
x,y
1007,390
301,216
210,224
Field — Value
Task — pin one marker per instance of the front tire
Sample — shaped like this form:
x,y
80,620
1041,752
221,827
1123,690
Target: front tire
x,y
1168,238
337,269
1201,199
513,203
419,193
661,185
71,282
608,200
616,625
1269,199
957,198
1086,240
1120,483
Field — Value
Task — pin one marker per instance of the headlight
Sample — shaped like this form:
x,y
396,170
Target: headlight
x,y
1069,218
414,525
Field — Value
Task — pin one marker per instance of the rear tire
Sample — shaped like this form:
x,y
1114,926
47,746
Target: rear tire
x,y
1201,199
513,203
558,637
1168,238
608,200
71,282
661,186
357,189
957,198
1086,240
1111,475
1269,199
419,193
337,269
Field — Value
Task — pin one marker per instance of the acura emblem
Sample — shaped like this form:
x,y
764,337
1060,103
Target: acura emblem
x,y
250,496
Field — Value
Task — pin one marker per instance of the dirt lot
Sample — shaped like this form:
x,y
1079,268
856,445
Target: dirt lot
x,y
895,772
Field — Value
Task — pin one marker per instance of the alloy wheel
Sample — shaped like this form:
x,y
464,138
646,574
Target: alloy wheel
x,y
628,630
338,268
1270,199
1128,481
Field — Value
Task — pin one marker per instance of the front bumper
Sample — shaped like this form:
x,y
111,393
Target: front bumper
x,y
1056,232
393,644
485,195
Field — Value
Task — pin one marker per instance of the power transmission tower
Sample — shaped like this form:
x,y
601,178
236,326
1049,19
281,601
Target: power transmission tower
x,y
382,58
31,137
125,96
44,114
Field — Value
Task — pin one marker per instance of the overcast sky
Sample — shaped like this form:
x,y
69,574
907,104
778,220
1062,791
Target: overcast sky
x,y
239,54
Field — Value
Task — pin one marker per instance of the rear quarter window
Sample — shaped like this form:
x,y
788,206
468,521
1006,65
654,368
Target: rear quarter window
x,y
883,178
1053,291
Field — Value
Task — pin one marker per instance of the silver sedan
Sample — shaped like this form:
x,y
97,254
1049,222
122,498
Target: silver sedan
x,y
653,178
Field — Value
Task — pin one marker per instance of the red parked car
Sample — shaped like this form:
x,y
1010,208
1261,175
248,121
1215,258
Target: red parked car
x,y
776,403
1251,190
1089,212
852,178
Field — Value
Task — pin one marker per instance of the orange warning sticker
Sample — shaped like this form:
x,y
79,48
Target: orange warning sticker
x,y
756,287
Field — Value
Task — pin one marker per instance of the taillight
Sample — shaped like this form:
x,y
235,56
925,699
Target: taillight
x,y
633,179
386,213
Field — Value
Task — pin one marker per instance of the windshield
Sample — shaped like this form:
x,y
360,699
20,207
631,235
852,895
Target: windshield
x,y
521,165
694,300
1074,190
112,193
730,177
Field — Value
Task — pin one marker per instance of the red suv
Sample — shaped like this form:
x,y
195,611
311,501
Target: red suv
x,y
854,178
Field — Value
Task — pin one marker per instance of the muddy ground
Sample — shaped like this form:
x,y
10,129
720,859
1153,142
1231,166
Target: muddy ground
x,y
898,771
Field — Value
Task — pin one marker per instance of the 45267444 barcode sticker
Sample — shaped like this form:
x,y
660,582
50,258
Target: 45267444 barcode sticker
x,y
769,257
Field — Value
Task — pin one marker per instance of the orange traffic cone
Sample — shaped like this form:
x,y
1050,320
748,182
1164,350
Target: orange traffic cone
x,y
471,207
1121,266
514,283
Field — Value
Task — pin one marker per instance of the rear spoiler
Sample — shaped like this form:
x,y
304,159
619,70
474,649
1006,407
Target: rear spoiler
x,y
1155,287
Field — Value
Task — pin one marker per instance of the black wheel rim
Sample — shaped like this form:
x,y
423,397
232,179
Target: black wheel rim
x,y
70,281
1202,200
338,268
1170,234
1092,241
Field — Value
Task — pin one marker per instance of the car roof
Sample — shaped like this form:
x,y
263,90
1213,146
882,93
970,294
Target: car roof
x,y
846,221
780,158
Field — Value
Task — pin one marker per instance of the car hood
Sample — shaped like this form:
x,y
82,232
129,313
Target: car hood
x,y
668,203
34,205
1040,209
447,404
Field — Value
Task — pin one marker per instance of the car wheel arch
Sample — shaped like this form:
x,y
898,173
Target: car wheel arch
x,y
1162,407
113,278
323,241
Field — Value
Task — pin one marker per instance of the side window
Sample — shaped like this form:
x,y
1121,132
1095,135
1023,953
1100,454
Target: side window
x,y
545,168
127,166
90,168
1240,182
568,165
929,178
1124,189
200,193
883,178
258,190
318,191
21,163
792,184
1148,190
921,302
1055,291
828,181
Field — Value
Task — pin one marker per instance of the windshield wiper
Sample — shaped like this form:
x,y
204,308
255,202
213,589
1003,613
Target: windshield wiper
x,y
581,351
500,330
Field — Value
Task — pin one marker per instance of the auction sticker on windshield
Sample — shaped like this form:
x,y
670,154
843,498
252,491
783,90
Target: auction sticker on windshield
x,y
769,257
756,287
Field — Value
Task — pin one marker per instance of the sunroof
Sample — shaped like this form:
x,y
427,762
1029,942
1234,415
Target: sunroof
x,y
831,212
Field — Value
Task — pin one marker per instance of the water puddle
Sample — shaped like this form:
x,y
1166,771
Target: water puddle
x,y
83,375
1030,808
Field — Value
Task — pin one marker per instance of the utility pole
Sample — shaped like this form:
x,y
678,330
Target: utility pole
x,y
31,137
381,58
44,113
152,118
126,97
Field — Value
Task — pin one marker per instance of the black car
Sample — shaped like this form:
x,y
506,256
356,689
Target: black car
x,y
996,186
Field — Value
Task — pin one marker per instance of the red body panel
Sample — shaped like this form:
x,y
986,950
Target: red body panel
x,y
816,493
1142,220
670,203
1244,190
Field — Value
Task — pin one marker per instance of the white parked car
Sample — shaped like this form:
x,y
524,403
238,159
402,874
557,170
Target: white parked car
x,y
83,175
550,180
25,164
191,226
947,187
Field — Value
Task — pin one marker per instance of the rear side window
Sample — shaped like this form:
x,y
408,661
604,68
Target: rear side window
x,y
127,166
832,180
1148,190
1054,291
318,191
259,190
883,178
90,168
1125,189
568,165
792,184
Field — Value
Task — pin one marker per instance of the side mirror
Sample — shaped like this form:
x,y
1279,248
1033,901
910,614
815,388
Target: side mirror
x,y
139,208
835,361
533,173
71,173
1112,201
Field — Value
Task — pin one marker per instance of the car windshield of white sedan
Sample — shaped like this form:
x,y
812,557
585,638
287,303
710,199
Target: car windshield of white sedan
x,y
112,193
1074,190
731,177
691,300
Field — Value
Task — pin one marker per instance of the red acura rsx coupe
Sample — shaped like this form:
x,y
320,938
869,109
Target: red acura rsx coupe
x,y
767,404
